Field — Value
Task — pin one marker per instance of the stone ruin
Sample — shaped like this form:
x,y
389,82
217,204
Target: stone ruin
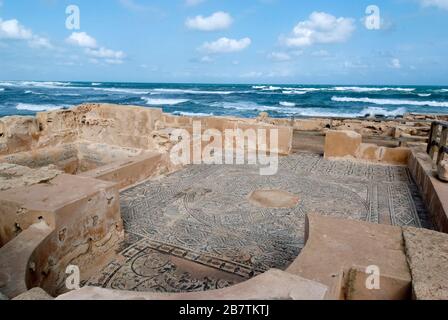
x,y
94,187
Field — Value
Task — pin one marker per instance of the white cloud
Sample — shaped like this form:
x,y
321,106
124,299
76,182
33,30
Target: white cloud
x,y
395,63
82,39
105,53
192,3
279,56
109,56
217,21
96,53
321,27
441,4
226,45
40,42
13,30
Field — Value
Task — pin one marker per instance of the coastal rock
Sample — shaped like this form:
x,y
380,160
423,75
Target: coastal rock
x,y
3,297
17,134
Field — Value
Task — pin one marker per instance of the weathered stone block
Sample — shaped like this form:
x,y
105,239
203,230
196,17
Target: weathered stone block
x,y
342,144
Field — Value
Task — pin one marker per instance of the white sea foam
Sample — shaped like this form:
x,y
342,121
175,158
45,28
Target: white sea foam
x,y
128,91
37,107
371,89
371,111
252,106
2,89
287,104
294,92
424,94
32,92
185,91
96,83
161,102
391,101
192,114
7,84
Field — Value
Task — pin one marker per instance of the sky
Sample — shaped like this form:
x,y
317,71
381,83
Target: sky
x,y
226,41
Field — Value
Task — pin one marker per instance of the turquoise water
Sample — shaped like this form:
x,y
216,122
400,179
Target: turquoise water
x,y
29,97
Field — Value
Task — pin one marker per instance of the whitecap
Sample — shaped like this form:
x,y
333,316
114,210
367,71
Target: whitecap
x,y
185,91
161,102
391,101
38,107
192,114
287,104
128,91
371,89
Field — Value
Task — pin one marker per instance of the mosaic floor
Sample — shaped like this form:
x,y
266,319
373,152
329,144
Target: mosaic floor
x,y
197,230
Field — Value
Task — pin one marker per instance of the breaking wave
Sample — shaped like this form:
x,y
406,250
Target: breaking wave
x,y
185,91
370,89
38,107
161,102
391,101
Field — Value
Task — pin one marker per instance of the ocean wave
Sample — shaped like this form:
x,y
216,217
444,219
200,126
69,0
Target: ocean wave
x,y
252,106
192,114
367,112
424,94
32,92
186,91
287,104
370,89
294,92
129,91
391,101
2,89
96,84
161,102
6,84
38,107
43,84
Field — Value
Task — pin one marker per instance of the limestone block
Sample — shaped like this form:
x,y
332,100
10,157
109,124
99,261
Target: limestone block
x,y
335,245
395,155
36,294
369,151
442,170
427,255
342,143
85,215
17,134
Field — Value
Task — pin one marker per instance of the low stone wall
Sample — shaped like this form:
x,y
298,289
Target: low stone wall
x,y
83,215
126,173
348,144
434,191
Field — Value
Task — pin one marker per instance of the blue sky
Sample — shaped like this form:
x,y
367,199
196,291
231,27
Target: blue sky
x,y
226,41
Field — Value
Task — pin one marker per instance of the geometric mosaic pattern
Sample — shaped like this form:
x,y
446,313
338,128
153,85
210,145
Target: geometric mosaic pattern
x,y
202,215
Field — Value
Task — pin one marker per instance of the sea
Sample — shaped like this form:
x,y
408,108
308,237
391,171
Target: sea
x,y
242,100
